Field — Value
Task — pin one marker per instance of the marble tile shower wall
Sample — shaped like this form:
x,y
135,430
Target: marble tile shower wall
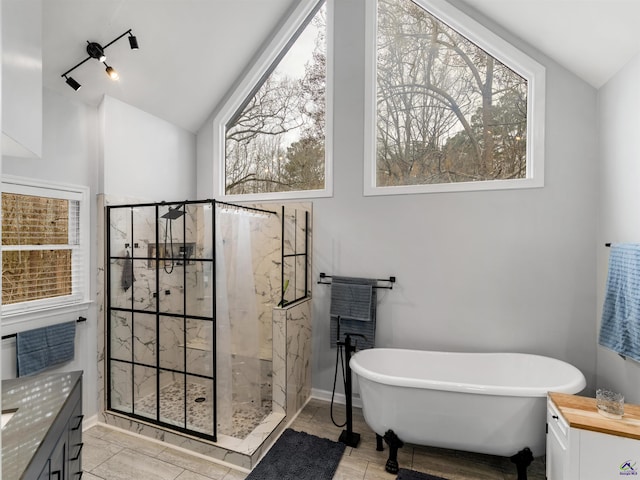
x,y
292,361
266,236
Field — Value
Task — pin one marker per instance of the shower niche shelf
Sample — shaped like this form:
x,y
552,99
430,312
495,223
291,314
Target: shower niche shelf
x,y
177,253
203,346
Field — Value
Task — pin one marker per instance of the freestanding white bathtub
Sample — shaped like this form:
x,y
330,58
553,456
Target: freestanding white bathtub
x,y
492,403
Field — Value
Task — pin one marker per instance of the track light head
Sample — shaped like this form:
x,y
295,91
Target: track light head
x,y
72,83
96,51
133,42
113,75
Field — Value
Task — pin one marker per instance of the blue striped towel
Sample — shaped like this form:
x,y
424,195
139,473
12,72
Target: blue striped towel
x,y
620,326
46,347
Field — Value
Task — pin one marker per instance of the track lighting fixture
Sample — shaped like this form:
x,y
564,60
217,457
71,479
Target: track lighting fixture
x,y
96,51
133,41
72,83
113,75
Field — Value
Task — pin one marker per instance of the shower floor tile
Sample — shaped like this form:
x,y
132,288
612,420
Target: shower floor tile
x,y
245,418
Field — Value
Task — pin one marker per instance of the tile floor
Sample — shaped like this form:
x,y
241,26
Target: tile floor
x,y
112,455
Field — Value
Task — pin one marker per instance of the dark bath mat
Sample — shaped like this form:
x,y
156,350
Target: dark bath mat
x,y
299,456
404,474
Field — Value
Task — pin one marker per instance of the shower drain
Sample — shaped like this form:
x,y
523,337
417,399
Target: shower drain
x,y
200,399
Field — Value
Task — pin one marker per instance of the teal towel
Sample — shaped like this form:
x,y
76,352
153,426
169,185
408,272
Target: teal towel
x,y
46,347
620,326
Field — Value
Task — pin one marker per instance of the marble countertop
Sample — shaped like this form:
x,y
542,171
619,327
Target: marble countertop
x,y
38,400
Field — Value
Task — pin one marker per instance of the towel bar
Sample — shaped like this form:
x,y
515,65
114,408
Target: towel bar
x,y
390,280
12,335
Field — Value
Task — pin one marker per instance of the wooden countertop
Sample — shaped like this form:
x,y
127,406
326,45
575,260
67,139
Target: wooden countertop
x,y
582,413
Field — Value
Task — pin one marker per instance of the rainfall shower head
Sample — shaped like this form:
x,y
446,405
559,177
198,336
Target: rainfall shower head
x,y
173,213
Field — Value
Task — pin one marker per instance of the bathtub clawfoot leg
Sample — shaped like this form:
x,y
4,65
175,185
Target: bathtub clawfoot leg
x,y
394,444
379,446
522,459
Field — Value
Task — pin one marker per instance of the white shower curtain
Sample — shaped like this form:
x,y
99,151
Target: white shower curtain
x,y
238,345
224,396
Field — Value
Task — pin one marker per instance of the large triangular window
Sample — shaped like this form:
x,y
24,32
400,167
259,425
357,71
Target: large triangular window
x,y
452,106
274,138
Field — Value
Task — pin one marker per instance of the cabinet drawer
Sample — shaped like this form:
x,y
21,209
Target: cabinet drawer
x,y
75,442
556,422
75,426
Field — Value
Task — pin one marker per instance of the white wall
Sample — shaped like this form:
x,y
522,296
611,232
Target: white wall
x,y
144,156
619,173
204,165
69,155
22,77
116,149
477,271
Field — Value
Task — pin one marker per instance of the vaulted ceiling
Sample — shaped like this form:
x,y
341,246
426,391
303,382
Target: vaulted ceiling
x,y
191,51
592,38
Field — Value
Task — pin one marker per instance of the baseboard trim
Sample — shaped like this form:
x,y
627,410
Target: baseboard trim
x,y
338,397
89,422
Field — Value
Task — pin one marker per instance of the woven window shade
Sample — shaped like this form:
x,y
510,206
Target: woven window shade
x,y
41,254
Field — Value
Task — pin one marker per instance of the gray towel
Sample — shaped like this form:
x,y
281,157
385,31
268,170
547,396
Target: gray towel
x,y
46,347
351,301
353,310
127,273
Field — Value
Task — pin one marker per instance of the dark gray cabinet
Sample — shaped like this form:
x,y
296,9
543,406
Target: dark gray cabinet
x,y
75,444
43,438
60,456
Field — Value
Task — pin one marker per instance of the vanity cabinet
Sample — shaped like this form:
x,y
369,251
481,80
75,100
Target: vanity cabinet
x,y
65,460
584,445
43,439
558,461
54,468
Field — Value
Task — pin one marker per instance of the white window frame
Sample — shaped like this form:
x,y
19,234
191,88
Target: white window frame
x,y
79,300
275,49
496,46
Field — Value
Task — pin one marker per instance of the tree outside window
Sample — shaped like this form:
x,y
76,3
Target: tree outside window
x,y
276,140
447,111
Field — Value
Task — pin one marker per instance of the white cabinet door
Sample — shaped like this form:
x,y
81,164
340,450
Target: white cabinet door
x,y
556,455
608,457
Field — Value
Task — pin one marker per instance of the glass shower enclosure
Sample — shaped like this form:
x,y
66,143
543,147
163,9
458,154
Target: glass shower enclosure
x,y
170,343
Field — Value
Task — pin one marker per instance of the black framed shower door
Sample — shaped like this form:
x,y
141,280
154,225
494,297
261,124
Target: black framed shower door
x,y
160,324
